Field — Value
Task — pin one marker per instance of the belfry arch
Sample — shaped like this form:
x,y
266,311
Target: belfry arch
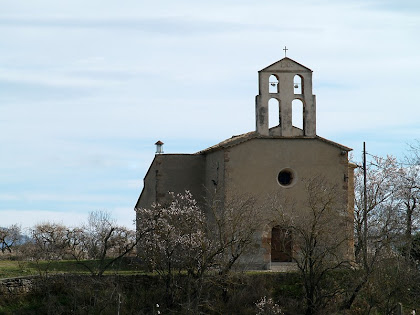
x,y
273,112
273,84
298,84
298,108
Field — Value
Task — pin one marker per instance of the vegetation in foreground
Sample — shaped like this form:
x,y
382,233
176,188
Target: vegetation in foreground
x,y
144,294
19,268
193,260
240,293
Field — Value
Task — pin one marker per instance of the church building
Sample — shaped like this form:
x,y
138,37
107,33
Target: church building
x,y
268,160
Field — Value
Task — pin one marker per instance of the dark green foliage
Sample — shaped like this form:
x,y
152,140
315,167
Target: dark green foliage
x,y
233,294
140,294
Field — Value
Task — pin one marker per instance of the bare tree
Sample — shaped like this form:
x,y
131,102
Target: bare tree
x,y
48,244
318,247
414,152
232,228
393,196
391,203
409,196
100,240
381,211
9,237
382,184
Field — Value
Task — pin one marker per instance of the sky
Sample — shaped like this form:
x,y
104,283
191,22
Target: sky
x,y
88,87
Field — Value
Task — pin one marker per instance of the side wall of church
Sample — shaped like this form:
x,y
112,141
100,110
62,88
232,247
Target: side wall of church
x,y
253,167
173,173
215,176
148,194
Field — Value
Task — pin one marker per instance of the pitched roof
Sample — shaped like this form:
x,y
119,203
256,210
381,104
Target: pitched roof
x,y
279,62
235,140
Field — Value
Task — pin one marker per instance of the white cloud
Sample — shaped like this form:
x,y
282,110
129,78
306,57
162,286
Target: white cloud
x,y
87,198
125,216
53,79
8,197
88,87
28,218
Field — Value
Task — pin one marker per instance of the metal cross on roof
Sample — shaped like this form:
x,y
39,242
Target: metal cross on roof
x,y
285,50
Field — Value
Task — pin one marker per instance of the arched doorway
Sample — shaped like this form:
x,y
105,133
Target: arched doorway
x,y
281,244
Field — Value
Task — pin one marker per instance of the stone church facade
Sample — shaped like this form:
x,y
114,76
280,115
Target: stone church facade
x,y
265,161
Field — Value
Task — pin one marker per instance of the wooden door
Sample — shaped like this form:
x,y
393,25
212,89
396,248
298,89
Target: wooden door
x,y
281,245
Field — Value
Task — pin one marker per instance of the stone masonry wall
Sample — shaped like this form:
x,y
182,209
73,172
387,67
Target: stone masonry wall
x,y
16,286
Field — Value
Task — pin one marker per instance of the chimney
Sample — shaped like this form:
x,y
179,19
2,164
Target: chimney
x,y
159,147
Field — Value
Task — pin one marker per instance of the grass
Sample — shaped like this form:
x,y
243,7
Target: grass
x,y
13,268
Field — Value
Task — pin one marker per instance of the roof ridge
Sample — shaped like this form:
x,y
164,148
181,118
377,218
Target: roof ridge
x,y
237,139
286,58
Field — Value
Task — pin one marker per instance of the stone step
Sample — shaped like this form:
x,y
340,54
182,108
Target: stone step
x,y
283,267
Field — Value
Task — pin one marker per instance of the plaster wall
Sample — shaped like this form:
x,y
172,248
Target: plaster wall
x,y
173,173
253,167
215,176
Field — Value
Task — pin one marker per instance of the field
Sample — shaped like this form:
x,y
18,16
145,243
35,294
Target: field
x,y
15,268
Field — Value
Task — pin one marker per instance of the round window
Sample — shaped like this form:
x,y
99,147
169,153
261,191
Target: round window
x,y
285,177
